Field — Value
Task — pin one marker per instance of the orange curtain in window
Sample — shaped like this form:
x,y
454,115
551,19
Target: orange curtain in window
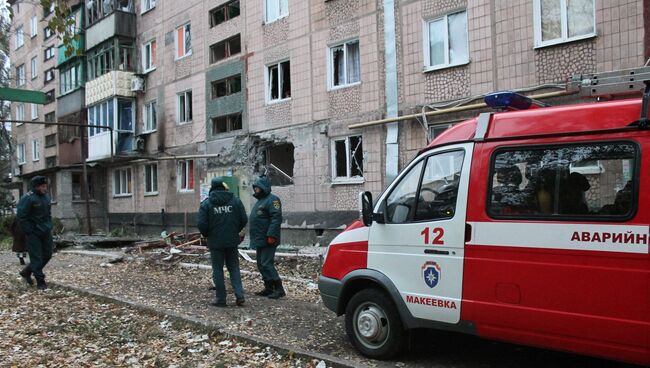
x,y
180,42
153,53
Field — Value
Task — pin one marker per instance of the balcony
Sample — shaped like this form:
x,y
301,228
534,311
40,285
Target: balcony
x,y
70,103
117,113
75,49
114,83
107,19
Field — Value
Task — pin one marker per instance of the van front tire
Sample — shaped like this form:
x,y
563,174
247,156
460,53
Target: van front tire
x,y
373,324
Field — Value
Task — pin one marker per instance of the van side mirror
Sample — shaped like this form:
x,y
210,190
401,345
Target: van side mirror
x,y
365,208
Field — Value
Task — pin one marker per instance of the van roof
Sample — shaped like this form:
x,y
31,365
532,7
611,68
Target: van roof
x,y
549,120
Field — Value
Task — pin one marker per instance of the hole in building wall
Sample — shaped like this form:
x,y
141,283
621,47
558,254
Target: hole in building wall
x,y
279,164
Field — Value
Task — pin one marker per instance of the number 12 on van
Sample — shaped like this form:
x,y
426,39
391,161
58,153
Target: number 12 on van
x,y
437,232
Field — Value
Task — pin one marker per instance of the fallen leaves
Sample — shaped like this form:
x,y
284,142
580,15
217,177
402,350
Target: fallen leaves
x,y
59,328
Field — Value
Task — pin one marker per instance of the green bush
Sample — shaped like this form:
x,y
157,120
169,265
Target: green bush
x,y
5,225
57,226
6,220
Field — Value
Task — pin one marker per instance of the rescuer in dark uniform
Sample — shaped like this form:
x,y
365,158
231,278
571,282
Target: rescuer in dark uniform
x,y
264,228
35,219
221,219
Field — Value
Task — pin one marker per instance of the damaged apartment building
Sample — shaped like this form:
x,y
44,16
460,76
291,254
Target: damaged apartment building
x,y
297,90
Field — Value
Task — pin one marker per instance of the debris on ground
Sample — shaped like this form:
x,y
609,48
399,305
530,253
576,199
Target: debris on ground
x,y
64,329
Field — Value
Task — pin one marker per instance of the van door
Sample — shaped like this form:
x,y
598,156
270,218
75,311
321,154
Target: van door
x,y
420,246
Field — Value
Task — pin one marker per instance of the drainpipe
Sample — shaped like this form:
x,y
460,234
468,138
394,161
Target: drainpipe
x,y
390,53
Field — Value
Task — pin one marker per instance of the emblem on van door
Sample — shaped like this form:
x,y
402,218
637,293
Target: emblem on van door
x,y
431,273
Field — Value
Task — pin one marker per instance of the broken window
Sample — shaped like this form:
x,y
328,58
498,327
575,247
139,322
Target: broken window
x,y
345,64
225,49
226,123
50,140
224,12
185,175
226,86
77,188
347,158
279,81
50,161
280,163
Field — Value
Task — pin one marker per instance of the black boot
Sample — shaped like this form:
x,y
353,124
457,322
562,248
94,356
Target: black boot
x,y
41,285
278,290
26,274
268,289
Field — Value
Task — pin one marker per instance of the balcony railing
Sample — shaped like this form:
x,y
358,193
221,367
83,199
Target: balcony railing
x,y
97,10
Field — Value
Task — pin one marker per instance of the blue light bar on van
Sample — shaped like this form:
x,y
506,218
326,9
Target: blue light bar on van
x,y
507,100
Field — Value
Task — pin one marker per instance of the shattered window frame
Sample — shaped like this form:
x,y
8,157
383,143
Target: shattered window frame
x,y
278,82
224,49
226,86
350,150
185,182
224,13
349,68
77,190
232,123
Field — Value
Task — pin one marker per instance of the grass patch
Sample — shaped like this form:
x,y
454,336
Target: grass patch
x,y
5,243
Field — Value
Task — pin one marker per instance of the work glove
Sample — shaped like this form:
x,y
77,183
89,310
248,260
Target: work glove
x,y
271,240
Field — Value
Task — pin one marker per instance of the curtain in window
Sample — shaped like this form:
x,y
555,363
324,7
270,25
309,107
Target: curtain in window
x,y
353,62
551,19
458,49
273,83
580,15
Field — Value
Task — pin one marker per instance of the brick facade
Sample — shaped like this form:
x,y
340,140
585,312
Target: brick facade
x,y
502,55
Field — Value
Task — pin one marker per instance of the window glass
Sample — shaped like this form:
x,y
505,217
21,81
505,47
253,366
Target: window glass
x,y
400,204
593,180
353,62
580,17
551,19
458,41
439,189
437,42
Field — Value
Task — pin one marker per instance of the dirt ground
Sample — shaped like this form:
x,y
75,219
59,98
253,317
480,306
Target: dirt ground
x,y
299,320
59,328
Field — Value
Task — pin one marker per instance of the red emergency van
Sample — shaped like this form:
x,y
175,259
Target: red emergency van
x,y
525,226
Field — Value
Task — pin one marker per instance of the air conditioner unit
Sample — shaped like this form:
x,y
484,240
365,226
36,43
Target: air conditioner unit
x,y
137,84
139,143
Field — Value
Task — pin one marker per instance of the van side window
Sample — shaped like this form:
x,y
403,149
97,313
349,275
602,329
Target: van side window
x,y
564,181
428,195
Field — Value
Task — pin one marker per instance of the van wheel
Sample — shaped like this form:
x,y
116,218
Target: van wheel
x,y
373,324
